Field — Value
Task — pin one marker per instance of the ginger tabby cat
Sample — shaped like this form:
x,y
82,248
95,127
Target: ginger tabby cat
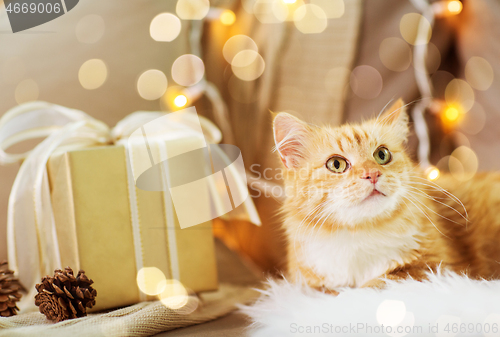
x,y
357,209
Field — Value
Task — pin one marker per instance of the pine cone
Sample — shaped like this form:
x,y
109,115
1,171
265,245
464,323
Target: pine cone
x,y
9,291
65,296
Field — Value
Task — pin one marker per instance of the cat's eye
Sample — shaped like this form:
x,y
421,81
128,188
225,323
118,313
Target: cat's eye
x,y
382,155
337,164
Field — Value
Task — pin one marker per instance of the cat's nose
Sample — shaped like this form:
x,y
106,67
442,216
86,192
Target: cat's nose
x,y
371,175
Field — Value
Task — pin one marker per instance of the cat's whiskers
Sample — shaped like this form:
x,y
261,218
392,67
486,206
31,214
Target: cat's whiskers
x,y
426,215
413,189
379,120
408,208
432,186
326,215
309,214
383,109
430,209
439,188
425,195
298,231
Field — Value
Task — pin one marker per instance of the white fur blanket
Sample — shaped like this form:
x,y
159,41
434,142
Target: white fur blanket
x,y
446,305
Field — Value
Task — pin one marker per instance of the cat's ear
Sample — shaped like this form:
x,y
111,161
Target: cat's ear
x,y
396,117
289,137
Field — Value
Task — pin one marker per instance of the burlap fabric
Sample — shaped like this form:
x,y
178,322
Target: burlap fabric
x,y
143,319
237,280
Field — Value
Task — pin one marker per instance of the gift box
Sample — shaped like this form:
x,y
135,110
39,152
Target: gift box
x,y
92,215
132,206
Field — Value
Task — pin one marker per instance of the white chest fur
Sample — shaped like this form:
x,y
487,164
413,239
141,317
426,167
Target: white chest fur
x,y
352,259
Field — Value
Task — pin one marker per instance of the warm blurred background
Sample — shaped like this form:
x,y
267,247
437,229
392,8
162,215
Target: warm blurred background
x,y
326,61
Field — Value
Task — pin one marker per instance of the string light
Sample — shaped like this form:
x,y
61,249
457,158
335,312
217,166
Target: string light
x,y
225,16
451,114
177,97
180,101
423,80
447,8
429,13
432,173
454,7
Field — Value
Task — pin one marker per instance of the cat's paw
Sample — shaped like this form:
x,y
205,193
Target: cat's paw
x,y
327,290
375,283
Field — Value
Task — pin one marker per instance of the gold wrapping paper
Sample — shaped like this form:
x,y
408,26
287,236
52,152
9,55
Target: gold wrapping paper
x,y
92,214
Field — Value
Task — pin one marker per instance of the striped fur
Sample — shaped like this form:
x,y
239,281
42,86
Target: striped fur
x,y
341,233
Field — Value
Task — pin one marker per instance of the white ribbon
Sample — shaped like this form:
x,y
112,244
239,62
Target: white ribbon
x,y
32,239
30,209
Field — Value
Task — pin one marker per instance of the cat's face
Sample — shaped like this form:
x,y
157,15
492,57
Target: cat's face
x,y
351,173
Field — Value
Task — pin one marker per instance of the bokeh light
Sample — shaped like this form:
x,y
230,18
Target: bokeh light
x,y
285,11
227,17
333,8
451,114
188,70
474,120
281,10
454,7
432,58
180,101
92,74
463,163
165,27
459,92
26,91
310,19
459,139
440,80
448,321
432,173
442,164
174,295
152,84
192,9
172,98
151,281
177,97
248,65
289,1
264,11
236,44
408,27
446,8
90,28
391,312
492,319
479,73
395,54
248,5
366,82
